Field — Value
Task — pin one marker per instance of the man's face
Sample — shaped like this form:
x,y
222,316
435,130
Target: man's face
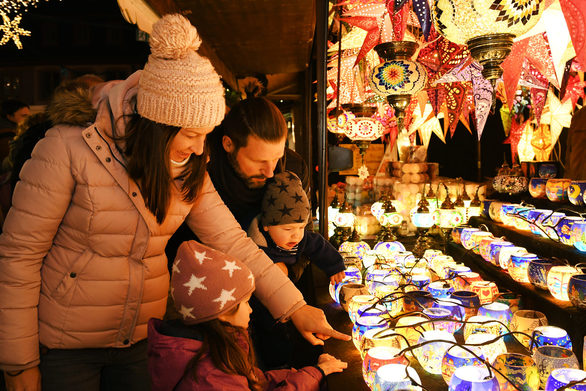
x,y
255,162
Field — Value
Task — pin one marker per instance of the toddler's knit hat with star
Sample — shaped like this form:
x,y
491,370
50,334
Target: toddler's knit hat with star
x,y
178,86
206,283
284,201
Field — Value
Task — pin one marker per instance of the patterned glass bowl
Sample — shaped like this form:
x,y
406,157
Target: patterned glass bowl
x,y
537,272
525,321
577,290
576,192
457,357
537,187
473,378
518,266
551,336
549,358
564,229
561,377
520,371
556,189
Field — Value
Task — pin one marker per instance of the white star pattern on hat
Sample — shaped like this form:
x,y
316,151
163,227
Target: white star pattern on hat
x,y
176,266
231,266
186,311
195,282
225,297
200,256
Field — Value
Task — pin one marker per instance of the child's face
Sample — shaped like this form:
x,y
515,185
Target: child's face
x,y
286,235
239,317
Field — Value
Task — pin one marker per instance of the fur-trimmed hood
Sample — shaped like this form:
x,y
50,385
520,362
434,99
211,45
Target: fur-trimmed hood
x,y
72,107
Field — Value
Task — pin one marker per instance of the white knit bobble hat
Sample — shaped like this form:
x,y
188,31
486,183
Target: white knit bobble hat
x,y
178,86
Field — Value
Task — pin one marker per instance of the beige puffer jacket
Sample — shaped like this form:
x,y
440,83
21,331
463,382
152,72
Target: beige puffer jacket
x,y
82,260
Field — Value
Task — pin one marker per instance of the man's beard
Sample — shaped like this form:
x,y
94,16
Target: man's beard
x,y
249,180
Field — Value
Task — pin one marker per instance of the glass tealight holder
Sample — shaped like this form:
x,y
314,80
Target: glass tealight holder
x,y
462,281
538,270
388,249
430,355
561,377
552,336
348,291
473,378
466,236
519,370
518,266
417,300
490,350
375,337
526,321
378,277
506,253
358,301
395,377
440,289
431,253
548,358
470,301
457,357
495,250
557,281
364,323
487,291
497,311
455,307
412,327
442,319
378,356
485,247
483,324
476,238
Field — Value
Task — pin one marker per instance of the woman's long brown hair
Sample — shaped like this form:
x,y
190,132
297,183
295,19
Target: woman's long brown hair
x,y
148,163
220,341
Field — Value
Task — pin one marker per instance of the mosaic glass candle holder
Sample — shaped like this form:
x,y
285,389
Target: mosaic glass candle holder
x,y
519,370
495,250
430,355
462,281
378,356
579,235
457,357
548,358
404,258
466,236
417,282
533,216
491,350
358,248
376,277
392,377
360,301
506,253
445,321
526,321
440,289
518,266
412,327
487,291
334,289
548,222
561,377
473,378
537,272
564,229
497,311
431,253
577,290
520,218
470,301
388,249
551,336
558,279
417,300
494,211
483,324
476,238
348,291
440,265
456,269
507,211
364,323
457,232
375,338
485,247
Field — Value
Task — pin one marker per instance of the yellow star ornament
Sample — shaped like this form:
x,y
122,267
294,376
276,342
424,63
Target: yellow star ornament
x,y
12,30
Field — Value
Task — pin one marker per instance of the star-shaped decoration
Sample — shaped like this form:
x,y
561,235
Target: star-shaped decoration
x,y
291,176
283,187
176,267
300,219
285,211
298,197
195,282
200,256
11,30
231,266
225,296
186,312
271,200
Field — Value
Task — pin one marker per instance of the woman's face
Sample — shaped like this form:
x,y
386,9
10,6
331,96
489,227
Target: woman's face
x,y
188,141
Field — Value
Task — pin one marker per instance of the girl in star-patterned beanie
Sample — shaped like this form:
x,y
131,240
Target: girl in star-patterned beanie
x,y
208,347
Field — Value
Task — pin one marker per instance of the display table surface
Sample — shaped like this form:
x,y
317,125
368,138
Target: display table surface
x,y
559,313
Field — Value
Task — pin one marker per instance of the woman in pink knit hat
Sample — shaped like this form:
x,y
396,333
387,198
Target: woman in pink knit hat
x,y
82,262
208,347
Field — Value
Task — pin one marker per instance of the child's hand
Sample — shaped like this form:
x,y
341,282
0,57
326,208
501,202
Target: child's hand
x,y
338,277
283,267
330,364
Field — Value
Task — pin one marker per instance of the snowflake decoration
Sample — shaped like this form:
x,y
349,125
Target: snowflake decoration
x,y
12,30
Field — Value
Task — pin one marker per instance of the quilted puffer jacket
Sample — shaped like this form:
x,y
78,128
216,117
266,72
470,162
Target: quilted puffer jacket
x,y
82,261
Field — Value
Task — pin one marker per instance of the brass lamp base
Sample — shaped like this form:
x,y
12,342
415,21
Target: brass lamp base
x,y
399,103
490,51
396,50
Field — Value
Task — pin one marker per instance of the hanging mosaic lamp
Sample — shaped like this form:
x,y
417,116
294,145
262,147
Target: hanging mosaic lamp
x,y
488,27
398,78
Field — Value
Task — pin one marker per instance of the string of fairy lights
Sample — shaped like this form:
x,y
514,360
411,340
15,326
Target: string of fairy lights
x,y
11,12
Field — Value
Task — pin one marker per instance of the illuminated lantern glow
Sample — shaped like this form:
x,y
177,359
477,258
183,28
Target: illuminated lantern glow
x,y
337,124
440,289
398,77
364,323
357,302
431,354
364,129
561,377
473,378
520,371
462,281
376,338
356,248
484,324
558,279
506,253
518,266
526,321
487,291
405,327
388,249
498,311
492,350
457,357
551,336
377,357
445,320
394,377
550,358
